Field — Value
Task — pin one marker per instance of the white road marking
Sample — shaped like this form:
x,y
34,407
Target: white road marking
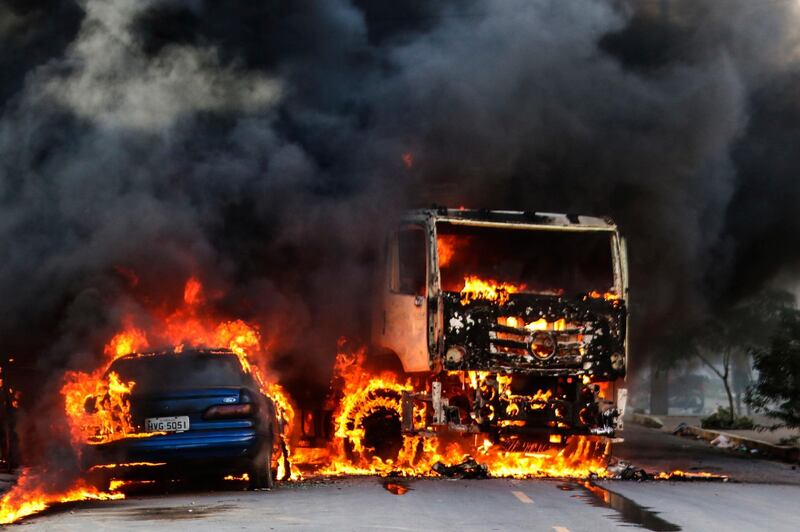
x,y
291,519
561,529
522,497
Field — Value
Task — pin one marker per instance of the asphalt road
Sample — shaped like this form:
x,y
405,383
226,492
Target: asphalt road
x,y
434,504
655,450
763,496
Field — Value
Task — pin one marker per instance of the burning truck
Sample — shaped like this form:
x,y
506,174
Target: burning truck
x,y
506,326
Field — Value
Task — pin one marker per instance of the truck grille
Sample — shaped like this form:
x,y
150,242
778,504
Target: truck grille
x,y
551,343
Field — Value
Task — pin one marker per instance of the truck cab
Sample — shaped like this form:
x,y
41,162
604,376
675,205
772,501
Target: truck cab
x,y
513,324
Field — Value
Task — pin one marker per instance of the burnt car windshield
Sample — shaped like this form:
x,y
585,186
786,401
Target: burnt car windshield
x,y
539,262
181,371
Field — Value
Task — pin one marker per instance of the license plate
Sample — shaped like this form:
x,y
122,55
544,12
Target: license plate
x,y
167,424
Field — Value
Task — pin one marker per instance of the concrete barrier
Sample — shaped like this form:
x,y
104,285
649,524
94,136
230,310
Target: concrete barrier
x,y
779,452
647,420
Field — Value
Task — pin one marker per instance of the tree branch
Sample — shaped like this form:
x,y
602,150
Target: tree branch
x,y
726,363
710,365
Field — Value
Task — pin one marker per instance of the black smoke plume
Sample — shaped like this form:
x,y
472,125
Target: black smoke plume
x,y
259,145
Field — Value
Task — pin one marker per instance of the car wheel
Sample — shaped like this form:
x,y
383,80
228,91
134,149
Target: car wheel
x,y
261,470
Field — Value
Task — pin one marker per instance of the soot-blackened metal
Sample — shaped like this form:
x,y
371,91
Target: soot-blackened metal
x,y
474,327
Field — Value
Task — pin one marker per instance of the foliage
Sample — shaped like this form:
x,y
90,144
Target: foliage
x,y
723,343
723,419
776,393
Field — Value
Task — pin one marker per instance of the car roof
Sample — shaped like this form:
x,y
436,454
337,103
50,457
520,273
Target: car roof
x,y
192,351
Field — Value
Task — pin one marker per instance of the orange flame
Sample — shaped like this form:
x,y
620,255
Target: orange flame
x,y
685,475
479,289
127,464
364,394
128,341
446,246
97,407
97,404
116,485
608,296
31,495
193,325
192,291
241,478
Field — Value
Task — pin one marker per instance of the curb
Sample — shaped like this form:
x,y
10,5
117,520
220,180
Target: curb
x,y
648,421
779,452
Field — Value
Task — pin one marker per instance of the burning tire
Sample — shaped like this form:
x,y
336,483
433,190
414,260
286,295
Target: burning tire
x,y
372,427
383,435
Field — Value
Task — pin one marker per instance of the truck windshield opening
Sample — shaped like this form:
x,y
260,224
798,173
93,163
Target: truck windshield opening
x,y
533,261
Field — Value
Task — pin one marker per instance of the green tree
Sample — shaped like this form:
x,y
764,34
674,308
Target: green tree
x,y
776,392
728,339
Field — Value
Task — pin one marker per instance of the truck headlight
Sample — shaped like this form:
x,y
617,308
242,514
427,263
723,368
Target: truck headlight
x,y
455,355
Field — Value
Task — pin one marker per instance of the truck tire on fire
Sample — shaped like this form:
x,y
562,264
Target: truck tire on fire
x,y
374,427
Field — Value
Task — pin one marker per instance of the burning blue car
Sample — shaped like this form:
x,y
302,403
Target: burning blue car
x,y
210,414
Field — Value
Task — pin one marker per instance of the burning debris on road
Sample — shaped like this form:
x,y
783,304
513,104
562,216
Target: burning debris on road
x,y
624,471
469,468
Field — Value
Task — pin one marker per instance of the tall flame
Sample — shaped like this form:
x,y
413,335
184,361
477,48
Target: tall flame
x,y
476,289
128,341
108,418
97,404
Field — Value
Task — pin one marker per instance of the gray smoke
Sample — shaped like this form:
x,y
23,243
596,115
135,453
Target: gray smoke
x,y
260,146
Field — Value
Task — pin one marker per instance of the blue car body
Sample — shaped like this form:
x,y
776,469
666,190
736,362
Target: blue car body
x,y
231,423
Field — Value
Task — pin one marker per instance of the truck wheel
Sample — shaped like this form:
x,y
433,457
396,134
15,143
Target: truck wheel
x,y
370,425
261,470
383,434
